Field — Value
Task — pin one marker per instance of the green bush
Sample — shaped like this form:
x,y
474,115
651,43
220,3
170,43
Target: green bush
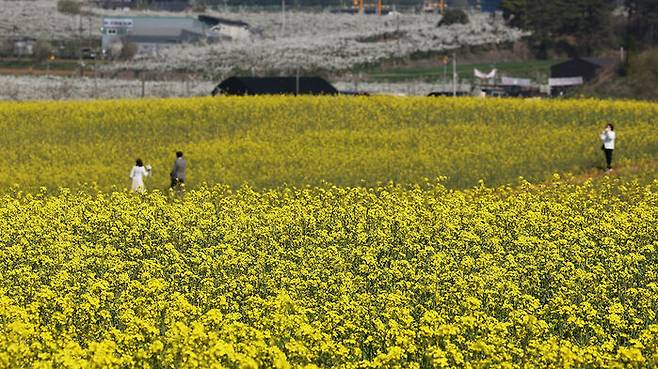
x,y
128,51
42,50
638,79
644,65
453,16
71,7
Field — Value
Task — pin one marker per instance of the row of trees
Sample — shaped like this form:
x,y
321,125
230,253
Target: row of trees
x,y
581,27
462,4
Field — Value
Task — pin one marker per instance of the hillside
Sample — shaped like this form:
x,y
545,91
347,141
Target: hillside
x,y
312,41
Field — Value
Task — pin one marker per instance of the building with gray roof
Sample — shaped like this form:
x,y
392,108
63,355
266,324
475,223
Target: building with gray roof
x,y
149,33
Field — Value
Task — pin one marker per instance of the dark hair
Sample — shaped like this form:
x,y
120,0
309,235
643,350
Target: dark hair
x,y
612,128
139,163
179,154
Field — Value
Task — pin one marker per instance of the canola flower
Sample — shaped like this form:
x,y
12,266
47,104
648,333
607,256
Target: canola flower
x,y
356,275
267,142
554,275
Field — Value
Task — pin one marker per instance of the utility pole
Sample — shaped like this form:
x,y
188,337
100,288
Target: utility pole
x,y
622,56
187,85
82,70
454,74
397,22
445,70
95,95
89,25
297,82
397,31
283,17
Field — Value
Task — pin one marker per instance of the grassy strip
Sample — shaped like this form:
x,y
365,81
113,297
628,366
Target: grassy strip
x,y
537,69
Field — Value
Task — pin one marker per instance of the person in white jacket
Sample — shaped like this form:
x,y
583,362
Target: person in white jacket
x,y
137,175
608,137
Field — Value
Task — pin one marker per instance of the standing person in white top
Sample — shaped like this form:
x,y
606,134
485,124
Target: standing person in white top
x,y
137,175
608,137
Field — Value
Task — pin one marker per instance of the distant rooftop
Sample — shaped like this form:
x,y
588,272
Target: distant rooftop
x,y
213,21
603,62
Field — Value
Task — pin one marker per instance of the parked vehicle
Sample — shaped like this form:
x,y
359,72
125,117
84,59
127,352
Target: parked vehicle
x,y
88,53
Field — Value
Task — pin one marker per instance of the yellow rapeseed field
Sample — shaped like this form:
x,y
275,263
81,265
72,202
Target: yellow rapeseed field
x,y
270,141
318,240
557,275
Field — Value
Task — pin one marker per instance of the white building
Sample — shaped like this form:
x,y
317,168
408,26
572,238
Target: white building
x,y
24,46
149,34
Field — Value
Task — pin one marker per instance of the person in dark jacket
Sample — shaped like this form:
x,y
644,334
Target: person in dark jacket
x,y
178,172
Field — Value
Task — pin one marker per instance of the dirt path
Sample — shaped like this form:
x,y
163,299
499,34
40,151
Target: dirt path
x,y
38,72
633,168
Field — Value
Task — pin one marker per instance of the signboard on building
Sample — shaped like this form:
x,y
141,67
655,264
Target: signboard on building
x,y
118,23
567,81
511,81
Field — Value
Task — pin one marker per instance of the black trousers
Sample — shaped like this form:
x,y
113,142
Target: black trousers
x,y
176,181
608,157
